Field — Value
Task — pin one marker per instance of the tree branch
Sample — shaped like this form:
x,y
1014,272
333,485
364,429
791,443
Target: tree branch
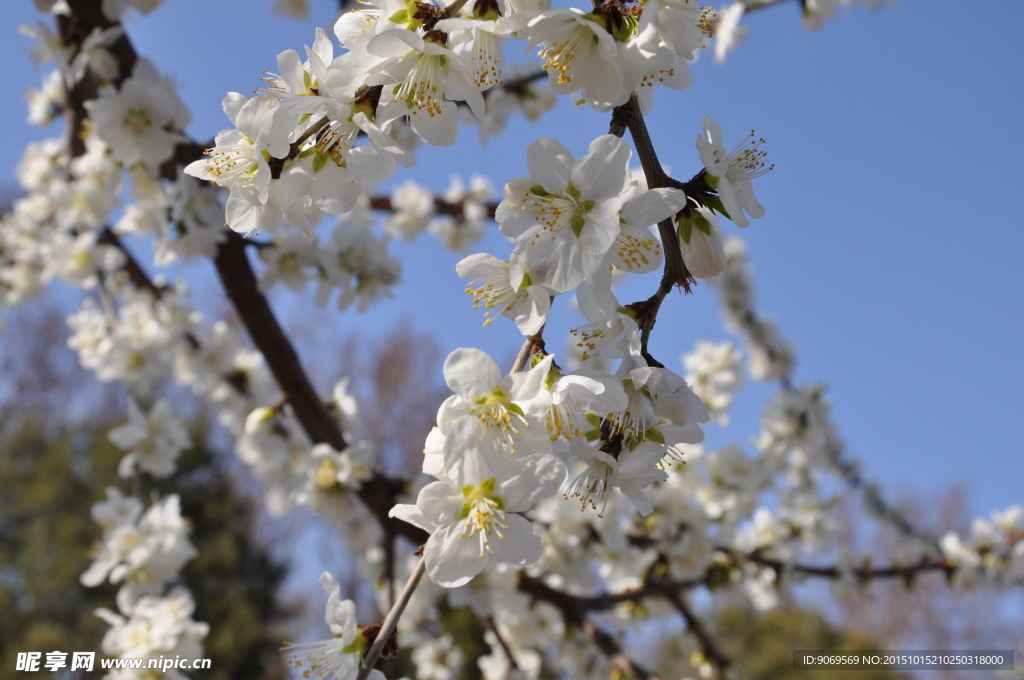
x,y
694,625
391,620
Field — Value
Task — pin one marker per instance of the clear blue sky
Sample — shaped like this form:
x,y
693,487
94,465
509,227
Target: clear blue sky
x,y
889,251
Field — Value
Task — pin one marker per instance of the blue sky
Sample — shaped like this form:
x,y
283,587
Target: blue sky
x,y
888,254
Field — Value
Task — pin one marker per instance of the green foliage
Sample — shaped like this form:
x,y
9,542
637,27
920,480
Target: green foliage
x,y
45,533
761,645
48,482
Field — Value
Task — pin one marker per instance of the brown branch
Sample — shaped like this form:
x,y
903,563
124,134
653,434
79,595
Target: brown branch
x,y
391,620
533,344
863,574
239,282
490,624
441,206
518,85
707,645
611,648
675,273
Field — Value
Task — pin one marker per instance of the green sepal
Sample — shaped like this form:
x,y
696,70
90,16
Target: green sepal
x,y
702,223
628,29
578,222
589,205
319,162
685,230
551,378
363,107
359,645
711,180
572,191
714,202
304,117
538,190
306,153
654,435
400,17
628,312
594,420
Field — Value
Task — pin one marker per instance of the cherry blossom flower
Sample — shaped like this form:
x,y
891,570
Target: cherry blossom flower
x,y
338,657
576,395
727,30
471,518
424,79
153,627
579,56
683,23
508,408
525,303
732,172
142,121
154,440
239,162
567,211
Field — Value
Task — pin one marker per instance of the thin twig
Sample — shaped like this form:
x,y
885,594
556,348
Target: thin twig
x,y
493,627
620,662
707,645
453,9
523,358
391,620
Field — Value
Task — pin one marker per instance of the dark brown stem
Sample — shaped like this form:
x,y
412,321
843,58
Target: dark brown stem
x,y
675,273
611,648
862,574
239,282
694,625
441,206
493,627
530,345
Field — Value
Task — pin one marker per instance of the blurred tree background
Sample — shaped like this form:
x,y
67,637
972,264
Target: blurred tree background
x,y
57,462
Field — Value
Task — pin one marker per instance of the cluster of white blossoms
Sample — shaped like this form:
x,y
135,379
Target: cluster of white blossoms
x,y
295,153
993,553
143,549
503,444
154,440
714,371
151,628
552,499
